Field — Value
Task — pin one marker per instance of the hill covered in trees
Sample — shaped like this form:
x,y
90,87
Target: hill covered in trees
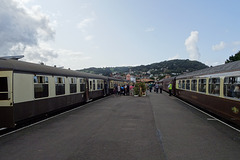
x,y
233,58
171,67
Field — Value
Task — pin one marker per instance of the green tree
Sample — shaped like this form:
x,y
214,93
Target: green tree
x,y
232,58
137,88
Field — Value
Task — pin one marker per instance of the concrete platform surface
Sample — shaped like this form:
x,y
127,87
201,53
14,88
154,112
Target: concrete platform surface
x,y
156,127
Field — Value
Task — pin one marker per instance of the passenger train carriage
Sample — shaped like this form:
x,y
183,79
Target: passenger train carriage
x,y
28,90
216,89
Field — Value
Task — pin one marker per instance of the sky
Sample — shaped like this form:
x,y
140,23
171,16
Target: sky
x,y
81,34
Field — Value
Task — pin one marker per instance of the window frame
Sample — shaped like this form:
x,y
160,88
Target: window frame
x,y
72,85
230,87
194,85
183,84
214,86
180,84
41,86
4,91
201,88
187,84
60,86
82,82
94,85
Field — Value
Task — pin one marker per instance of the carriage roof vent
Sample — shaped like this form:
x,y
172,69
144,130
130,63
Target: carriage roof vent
x,y
12,57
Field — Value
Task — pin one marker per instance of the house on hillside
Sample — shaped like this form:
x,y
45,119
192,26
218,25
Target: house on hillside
x,y
145,80
130,78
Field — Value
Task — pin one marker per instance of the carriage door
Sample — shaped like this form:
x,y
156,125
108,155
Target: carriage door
x,y
87,89
90,88
104,88
6,88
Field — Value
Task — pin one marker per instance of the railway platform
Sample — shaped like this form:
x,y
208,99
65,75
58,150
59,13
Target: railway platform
x,y
155,127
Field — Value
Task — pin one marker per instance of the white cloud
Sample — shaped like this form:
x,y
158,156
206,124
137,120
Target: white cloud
x,y
23,1
213,63
235,46
72,59
84,24
44,53
22,28
26,30
191,46
219,46
150,29
89,38
41,53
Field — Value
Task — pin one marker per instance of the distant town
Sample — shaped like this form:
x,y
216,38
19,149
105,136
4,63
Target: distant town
x,y
149,73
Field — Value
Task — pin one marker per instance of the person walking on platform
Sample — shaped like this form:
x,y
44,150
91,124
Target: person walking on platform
x,y
161,87
119,90
115,89
150,87
131,90
170,89
122,90
156,87
125,90
128,89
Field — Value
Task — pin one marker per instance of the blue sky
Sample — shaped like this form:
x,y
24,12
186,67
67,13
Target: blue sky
x,y
80,34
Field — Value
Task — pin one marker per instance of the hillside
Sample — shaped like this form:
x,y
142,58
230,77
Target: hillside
x,y
172,67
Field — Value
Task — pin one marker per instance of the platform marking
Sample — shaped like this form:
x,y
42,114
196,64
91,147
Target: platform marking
x,y
211,119
210,116
160,138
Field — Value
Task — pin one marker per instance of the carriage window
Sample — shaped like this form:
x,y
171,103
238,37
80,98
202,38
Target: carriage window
x,y
194,85
3,88
232,87
183,84
73,85
82,85
40,86
214,86
91,85
111,84
98,84
94,85
179,84
102,84
202,85
188,84
60,85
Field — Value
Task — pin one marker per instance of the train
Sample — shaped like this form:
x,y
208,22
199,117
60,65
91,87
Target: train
x,y
28,90
214,89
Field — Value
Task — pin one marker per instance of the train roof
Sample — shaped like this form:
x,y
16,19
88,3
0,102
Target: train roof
x,y
21,66
225,74
167,79
116,79
217,70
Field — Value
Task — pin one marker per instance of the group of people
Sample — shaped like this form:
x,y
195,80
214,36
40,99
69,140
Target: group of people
x,y
158,86
155,87
234,91
125,90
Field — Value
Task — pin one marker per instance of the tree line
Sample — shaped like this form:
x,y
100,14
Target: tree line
x,y
165,67
177,66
